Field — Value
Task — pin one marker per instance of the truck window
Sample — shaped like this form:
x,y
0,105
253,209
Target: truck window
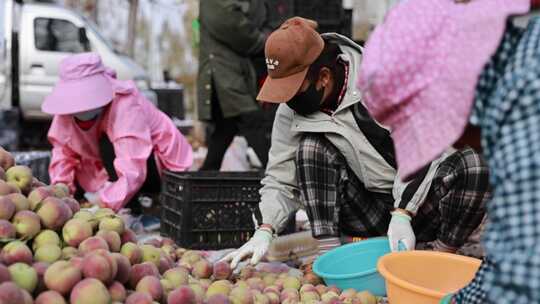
x,y
57,35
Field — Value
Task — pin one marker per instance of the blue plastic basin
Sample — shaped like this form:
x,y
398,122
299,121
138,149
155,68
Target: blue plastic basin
x,y
354,266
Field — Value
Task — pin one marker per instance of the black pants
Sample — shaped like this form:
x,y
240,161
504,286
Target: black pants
x,y
336,201
255,126
152,184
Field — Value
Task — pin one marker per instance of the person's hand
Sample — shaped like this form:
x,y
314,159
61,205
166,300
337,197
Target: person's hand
x,y
256,247
400,231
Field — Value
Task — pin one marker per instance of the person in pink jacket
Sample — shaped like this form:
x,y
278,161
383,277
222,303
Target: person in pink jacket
x,y
92,111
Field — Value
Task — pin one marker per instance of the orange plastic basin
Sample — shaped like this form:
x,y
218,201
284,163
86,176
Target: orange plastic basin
x,y
425,276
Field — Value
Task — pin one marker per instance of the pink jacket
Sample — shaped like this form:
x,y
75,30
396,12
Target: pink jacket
x,y
136,128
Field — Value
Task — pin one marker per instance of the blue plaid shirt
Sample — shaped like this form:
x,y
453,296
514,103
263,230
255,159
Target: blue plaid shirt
x,y
507,108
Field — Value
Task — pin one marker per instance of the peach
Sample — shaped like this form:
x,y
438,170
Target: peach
x,y
24,276
169,251
60,190
308,288
222,287
104,212
218,299
167,242
292,282
99,264
180,252
273,298
272,288
182,295
165,263
112,238
240,295
27,224
128,236
4,274
124,268
167,286
141,270
45,237
202,269
20,201
151,254
199,292
132,252
334,289
190,257
312,278
112,223
269,279
260,298
16,252
222,271
54,213
90,291
6,159
10,293
246,272
77,261
69,252
48,253
152,286
7,230
27,297
289,293
366,297
50,297
139,298
321,289
75,231
330,297
6,188
87,216
2,174
7,208
40,268
72,204
92,244
177,276
256,283
62,276
347,294
37,196
117,292
21,176
310,296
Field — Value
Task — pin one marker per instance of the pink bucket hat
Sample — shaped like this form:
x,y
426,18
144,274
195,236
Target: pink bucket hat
x,y
420,69
84,85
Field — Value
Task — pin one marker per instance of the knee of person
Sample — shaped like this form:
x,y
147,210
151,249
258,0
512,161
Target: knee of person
x,y
310,146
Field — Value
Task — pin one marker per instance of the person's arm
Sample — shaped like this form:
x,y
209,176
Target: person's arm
x,y
279,194
227,22
63,164
130,164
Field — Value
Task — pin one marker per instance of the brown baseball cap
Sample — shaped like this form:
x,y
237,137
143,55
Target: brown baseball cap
x,y
289,52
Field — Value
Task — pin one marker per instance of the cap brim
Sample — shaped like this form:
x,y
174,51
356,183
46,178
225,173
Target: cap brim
x,y
280,90
70,97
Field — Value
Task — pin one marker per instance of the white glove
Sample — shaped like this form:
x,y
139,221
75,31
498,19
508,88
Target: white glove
x,y
256,247
400,231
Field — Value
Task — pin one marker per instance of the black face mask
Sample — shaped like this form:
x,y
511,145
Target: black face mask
x,y
307,102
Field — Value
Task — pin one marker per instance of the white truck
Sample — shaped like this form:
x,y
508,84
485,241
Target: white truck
x,y
34,38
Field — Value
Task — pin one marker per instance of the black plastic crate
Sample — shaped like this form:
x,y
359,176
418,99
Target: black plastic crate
x,y
171,101
210,210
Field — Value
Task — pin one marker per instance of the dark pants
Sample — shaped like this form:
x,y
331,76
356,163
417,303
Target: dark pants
x,y
337,202
151,186
255,126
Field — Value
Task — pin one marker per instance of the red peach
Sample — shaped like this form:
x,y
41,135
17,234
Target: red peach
x,y
124,268
50,297
62,276
182,295
92,244
100,265
141,270
117,292
90,291
152,286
